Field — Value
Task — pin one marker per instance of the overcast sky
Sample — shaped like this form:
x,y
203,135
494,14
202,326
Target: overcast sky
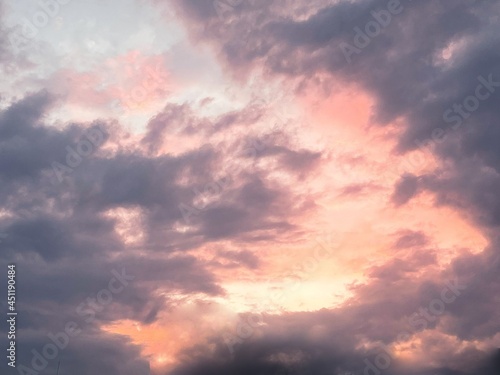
x,y
251,187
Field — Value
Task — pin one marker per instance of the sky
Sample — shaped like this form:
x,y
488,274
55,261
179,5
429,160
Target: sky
x,y
251,187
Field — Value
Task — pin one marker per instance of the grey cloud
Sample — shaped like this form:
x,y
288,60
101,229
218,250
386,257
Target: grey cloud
x,y
359,189
410,239
403,69
244,257
65,244
406,188
415,83
181,119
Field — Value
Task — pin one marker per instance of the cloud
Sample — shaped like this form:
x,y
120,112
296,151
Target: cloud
x,y
201,191
410,239
429,58
406,188
66,237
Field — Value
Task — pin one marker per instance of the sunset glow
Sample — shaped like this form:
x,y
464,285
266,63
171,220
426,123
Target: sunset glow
x,y
250,187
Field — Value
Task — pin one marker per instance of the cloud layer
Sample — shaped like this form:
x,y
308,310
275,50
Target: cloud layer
x,y
320,197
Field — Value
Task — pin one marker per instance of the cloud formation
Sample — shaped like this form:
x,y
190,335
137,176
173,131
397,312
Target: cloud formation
x,y
211,195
